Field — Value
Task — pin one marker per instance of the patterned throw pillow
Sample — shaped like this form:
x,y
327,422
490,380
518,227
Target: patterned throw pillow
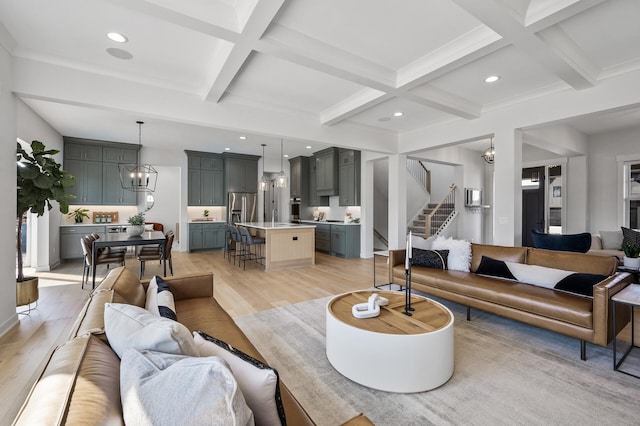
x,y
629,236
166,303
429,258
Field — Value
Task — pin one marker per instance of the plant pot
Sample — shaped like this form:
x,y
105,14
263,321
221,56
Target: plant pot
x,y
135,230
632,262
27,291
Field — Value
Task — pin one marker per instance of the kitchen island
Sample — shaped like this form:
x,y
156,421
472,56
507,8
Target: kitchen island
x,y
287,245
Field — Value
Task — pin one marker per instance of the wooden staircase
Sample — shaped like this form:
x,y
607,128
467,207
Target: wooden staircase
x,y
436,216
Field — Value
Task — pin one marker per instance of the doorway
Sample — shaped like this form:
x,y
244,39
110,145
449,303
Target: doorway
x,y
533,203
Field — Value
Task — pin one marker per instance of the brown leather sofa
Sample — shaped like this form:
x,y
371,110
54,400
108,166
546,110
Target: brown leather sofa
x,y
586,319
80,383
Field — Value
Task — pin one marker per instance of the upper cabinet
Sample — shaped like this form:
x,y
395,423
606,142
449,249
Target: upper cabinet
x,y
240,172
205,179
95,167
299,167
349,177
315,200
326,172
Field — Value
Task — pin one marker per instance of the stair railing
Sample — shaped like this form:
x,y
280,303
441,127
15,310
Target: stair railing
x,y
381,237
440,212
420,173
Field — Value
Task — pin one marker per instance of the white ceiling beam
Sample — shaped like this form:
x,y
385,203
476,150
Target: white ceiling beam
x,y
503,22
179,19
6,40
259,20
539,18
444,101
361,101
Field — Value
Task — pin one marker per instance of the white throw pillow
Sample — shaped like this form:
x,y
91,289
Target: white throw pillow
x,y
151,303
166,389
422,243
258,381
459,252
611,240
129,326
148,226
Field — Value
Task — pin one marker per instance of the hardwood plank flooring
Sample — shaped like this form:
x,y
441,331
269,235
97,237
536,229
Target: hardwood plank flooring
x,y
25,349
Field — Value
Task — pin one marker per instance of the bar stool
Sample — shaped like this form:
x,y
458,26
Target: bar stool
x,y
247,242
229,242
238,247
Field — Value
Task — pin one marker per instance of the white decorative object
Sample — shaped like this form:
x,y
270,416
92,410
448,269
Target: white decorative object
x,y
459,258
632,262
370,309
135,230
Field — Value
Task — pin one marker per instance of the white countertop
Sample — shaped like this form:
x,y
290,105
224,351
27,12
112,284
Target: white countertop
x,y
207,221
328,223
277,225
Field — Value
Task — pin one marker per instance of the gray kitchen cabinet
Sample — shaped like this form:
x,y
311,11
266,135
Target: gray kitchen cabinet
x,y
70,247
299,169
345,240
315,200
349,177
95,166
88,183
206,236
119,155
112,191
240,172
82,151
205,179
327,172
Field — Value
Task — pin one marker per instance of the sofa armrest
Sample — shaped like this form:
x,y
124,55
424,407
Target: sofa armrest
x,y
396,257
602,292
189,286
596,242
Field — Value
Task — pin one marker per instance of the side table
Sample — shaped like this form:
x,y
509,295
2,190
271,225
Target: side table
x,y
629,296
381,253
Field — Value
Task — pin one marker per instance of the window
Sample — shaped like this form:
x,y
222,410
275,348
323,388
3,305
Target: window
x,y
632,194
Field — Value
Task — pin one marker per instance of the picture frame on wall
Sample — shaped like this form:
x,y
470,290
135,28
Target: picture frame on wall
x,y
557,191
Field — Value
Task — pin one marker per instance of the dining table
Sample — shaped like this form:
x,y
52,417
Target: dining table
x,y
123,239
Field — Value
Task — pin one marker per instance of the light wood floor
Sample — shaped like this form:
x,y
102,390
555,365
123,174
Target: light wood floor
x,y
25,349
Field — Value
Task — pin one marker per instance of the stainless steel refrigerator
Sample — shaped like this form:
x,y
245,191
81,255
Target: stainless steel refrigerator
x,y
242,207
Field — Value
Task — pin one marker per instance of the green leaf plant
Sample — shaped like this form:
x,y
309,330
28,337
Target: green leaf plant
x,y
40,180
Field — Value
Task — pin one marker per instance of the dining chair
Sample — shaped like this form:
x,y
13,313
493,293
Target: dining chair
x,y
102,259
148,253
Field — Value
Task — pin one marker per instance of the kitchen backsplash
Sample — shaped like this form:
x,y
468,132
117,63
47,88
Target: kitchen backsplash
x,y
216,213
123,213
337,212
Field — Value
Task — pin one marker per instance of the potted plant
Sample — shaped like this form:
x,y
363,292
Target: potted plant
x,y
40,180
206,213
137,225
631,255
79,214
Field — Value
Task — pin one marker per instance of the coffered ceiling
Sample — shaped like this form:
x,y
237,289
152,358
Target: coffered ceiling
x,y
202,73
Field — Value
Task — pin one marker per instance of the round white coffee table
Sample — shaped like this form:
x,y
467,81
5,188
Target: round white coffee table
x,y
392,352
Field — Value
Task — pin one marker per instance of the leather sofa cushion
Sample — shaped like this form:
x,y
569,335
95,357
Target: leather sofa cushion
x,y
507,254
79,386
537,300
601,265
126,284
91,317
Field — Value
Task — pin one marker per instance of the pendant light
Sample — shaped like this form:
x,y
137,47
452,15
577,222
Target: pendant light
x,y
262,182
138,177
489,153
282,181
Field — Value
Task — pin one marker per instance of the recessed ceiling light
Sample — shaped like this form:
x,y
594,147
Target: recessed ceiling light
x,y
117,37
398,114
492,79
308,146
286,156
227,149
243,138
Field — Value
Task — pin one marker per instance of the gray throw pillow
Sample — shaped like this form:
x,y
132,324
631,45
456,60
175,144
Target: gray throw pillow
x,y
629,236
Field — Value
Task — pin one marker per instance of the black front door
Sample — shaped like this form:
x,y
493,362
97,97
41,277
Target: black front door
x,y
532,203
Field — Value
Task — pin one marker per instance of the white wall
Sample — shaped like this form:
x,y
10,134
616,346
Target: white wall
x,y
44,237
604,190
8,133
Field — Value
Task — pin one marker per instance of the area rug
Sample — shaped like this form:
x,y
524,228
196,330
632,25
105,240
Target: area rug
x,y
506,372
